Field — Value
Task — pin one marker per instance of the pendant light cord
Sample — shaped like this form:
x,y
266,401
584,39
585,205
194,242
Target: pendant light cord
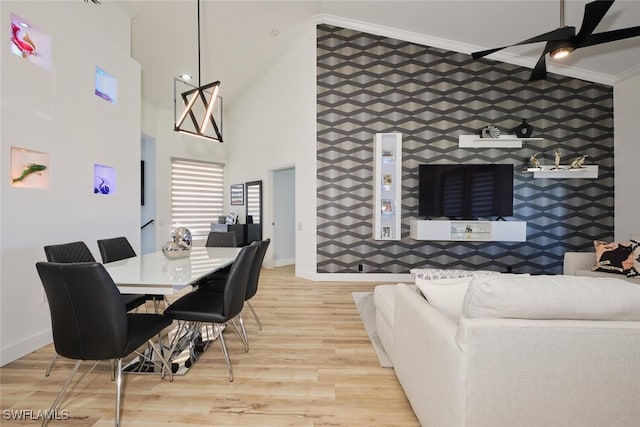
x,y
199,82
561,13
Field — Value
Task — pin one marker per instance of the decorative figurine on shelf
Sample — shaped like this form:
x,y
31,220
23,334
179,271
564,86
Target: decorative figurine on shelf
x,y
524,130
180,247
534,163
578,162
557,160
490,131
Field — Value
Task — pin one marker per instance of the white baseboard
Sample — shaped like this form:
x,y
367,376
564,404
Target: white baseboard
x,y
282,262
33,343
363,277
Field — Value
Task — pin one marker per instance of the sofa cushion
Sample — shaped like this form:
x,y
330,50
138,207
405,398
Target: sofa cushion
x,y
613,257
445,289
552,297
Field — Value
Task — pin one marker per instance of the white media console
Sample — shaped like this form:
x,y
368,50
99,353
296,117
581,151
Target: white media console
x,y
472,231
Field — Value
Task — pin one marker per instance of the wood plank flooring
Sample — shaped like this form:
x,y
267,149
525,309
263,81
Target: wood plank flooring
x,y
311,365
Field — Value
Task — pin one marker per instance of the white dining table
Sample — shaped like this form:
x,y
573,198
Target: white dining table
x,y
154,274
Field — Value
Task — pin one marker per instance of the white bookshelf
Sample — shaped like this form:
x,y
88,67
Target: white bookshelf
x,y
387,186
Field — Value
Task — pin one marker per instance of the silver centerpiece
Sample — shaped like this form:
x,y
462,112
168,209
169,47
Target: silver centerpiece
x,y
180,246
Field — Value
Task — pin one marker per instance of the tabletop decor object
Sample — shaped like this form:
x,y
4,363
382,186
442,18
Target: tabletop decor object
x,y
180,246
578,162
524,130
490,131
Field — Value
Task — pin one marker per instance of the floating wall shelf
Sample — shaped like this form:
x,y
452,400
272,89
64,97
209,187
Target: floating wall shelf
x,y
470,231
505,141
588,171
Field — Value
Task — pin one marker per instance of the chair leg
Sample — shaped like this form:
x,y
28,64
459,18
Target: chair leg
x,y
224,350
56,402
118,390
53,360
241,332
255,316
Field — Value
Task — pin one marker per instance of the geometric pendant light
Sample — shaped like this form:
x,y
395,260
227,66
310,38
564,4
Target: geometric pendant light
x,y
200,107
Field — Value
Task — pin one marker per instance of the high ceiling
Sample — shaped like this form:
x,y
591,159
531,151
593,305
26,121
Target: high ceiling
x,y
240,40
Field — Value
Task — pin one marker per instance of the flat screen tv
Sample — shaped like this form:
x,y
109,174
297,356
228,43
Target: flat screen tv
x,y
465,191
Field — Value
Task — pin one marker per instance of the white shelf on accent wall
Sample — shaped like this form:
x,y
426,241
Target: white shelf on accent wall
x,y
587,171
505,141
469,231
387,184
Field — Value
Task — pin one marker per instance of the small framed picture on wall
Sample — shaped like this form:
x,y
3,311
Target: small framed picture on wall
x,y
237,194
387,206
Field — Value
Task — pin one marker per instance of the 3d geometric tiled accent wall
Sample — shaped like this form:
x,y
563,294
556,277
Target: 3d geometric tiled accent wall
x,y
369,84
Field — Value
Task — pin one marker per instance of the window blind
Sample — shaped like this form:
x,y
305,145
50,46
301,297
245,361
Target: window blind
x,y
197,195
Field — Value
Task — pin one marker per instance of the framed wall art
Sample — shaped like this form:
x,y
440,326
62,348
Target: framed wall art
x,y
237,194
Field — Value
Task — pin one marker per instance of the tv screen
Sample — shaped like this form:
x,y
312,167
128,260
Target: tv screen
x,y
465,191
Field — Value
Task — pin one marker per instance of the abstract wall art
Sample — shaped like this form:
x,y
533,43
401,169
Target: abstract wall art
x,y
106,86
30,43
29,169
104,180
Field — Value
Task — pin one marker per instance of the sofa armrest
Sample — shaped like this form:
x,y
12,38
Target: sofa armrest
x,y
551,372
427,360
574,261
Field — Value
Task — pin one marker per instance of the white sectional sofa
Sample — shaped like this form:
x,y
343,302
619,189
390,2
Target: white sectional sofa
x,y
525,351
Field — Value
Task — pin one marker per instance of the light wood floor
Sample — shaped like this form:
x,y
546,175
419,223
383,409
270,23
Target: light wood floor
x,y
311,365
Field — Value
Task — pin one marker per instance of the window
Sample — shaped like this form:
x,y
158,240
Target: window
x,y
197,195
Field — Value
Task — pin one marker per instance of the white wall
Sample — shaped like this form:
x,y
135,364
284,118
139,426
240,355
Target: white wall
x,y
158,124
273,126
626,107
57,112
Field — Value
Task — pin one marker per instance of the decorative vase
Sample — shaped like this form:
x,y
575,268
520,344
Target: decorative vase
x,y
180,246
524,130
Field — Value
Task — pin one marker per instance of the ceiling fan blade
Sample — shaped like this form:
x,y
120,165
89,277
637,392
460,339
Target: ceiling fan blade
x,y
557,34
540,70
610,36
593,14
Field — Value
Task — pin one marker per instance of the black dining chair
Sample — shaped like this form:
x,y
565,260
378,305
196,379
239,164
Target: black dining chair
x,y
221,239
217,308
217,283
79,252
115,249
90,321
119,248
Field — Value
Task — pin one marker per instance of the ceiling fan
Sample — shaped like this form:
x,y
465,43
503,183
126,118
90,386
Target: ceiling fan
x,y
564,40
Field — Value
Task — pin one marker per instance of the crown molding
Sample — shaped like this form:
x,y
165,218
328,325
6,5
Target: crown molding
x,y
625,75
455,46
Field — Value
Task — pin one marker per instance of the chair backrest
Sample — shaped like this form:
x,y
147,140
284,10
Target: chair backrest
x,y
221,239
115,249
69,252
237,280
256,267
88,316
